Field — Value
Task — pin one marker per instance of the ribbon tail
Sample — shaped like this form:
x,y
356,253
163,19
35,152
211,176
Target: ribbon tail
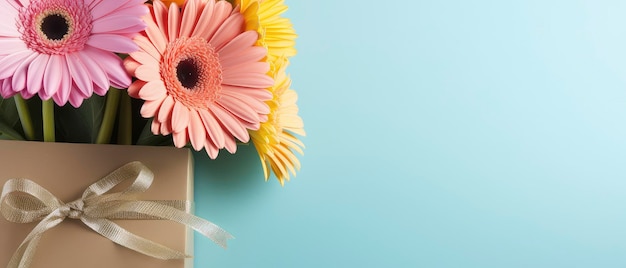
x,y
23,256
129,240
206,228
25,253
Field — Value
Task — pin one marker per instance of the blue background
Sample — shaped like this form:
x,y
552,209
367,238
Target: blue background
x,y
440,134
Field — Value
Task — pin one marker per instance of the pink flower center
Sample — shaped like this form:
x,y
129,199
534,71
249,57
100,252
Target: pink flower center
x,y
192,72
55,26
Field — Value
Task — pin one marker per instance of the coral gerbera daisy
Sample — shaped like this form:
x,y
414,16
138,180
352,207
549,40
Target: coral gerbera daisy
x,y
201,75
275,32
275,140
64,49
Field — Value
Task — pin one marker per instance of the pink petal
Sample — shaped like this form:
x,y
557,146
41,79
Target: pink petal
x,y
61,97
97,74
255,125
213,128
153,90
173,21
80,75
26,95
144,58
17,4
18,81
241,42
11,45
130,31
196,131
180,117
9,6
36,69
205,16
52,78
156,36
76,99
263,118
232,27
112,42
166,128
254,97
248,67
165,113
252,54
155,127
90,3
230,123
188,19
113,66
6,91
231,145
9,63
134,5
253,80
63,93
220,12
103,8
131,65
147,73
133,89
8,14
238,108
160,16
150,108
211,149
114,23
145,45
100,91
180,139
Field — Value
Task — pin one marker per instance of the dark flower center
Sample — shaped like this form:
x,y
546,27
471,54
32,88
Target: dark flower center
x,y
187,73
55,27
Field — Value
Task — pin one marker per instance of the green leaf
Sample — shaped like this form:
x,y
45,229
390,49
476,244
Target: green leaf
x,y
147,138
8,112
80,124
7,132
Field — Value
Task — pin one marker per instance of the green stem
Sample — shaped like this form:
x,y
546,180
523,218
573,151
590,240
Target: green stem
x,y
25,120
125,127
47,109
110,110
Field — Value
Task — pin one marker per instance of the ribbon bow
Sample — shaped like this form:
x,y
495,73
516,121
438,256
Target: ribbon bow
x,y
24,201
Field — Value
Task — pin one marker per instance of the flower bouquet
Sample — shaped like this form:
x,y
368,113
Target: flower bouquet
x,y
208,74
203,74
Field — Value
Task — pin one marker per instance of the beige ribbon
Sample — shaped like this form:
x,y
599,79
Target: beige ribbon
x,y
25,201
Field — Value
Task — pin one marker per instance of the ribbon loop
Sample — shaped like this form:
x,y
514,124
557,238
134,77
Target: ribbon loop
x,y
24,201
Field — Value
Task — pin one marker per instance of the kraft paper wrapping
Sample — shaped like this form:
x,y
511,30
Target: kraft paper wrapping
x,y
66,170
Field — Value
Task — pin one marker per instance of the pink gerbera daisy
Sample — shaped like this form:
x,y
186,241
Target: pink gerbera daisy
x,y
201,75
64,49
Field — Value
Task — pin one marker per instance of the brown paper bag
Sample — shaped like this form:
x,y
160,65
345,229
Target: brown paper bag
x,y
66,170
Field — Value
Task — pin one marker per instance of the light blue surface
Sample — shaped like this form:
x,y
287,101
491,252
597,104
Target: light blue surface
x,y
440,134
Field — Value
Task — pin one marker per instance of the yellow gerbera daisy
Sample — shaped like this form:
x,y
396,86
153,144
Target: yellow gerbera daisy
x,y
275,140
275,32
